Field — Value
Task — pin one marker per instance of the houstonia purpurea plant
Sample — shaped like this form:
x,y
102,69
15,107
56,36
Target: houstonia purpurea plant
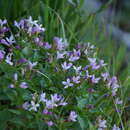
x,y
52,84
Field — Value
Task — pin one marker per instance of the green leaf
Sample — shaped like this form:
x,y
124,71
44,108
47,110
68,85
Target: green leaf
x,y
82,103
14,111
82,123
17,121
4,117
26,51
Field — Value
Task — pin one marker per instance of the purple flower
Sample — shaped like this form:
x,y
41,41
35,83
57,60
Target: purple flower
x,y
1,55
86,67
26,106
102,123
21,61
50,104
73,58
47,45
79,46
75,55
2,22
17,47
113,81
60,55
72,116
8,41
66,66
22,24
115,128
105,76
34,106
50,123
17,24
59,43
3,30
76,79
43,97
95,80
117,101
93,63
113,84
67,83
37,29
29,25
55,98
45,111
24,85
37,40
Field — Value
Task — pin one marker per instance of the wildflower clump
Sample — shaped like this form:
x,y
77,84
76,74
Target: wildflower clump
x,y
50,84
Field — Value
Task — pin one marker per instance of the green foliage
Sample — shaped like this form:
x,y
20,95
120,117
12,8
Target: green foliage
x,y
63,18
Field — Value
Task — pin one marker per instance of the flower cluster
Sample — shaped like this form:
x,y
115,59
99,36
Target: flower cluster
x,y
39,101
55,82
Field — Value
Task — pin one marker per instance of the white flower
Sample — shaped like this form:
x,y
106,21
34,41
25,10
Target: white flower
x,y
102,123
77,69
10,40
105,76
9,58
16,24
33,106
43,97
66,66
90,46
31,21
3,22
31,64
72,116
67,83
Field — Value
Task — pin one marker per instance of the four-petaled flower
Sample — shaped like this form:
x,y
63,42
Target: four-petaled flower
x,y
60,55
102,123
72,116
76,79
66,66
34,106
67,83
95,80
